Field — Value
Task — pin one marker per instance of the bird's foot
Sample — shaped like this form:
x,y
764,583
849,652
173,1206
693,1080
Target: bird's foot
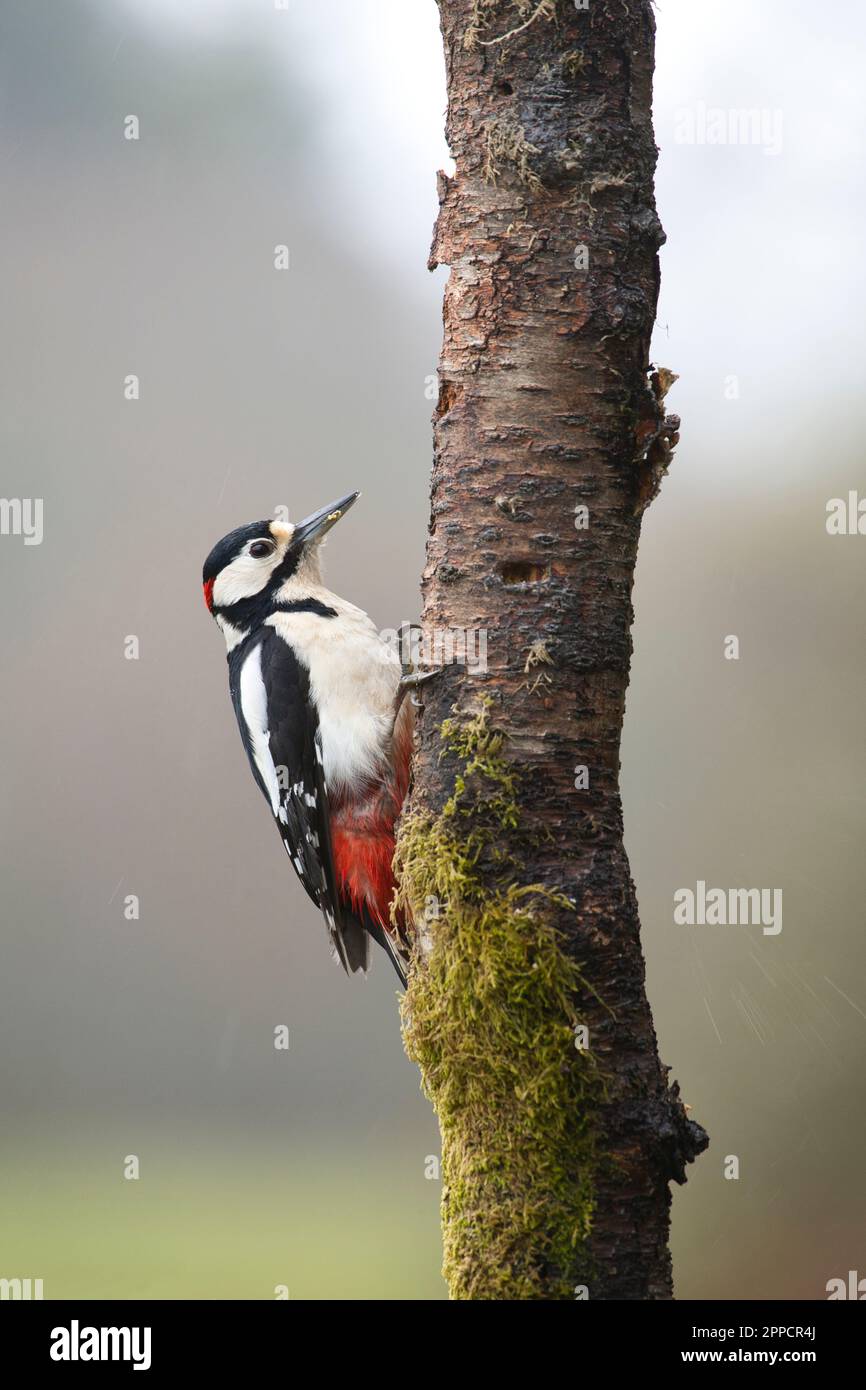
x,y
413,681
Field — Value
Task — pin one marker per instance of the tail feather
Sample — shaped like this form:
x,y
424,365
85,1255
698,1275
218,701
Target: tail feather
x,y
350,945
390,946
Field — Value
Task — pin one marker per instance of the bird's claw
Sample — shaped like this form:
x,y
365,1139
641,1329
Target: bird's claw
x,y
412,681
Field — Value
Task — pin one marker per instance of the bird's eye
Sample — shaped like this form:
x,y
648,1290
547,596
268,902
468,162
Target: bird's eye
x,y
259,549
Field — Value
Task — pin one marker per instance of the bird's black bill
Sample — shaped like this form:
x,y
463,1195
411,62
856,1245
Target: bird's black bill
x,y
320,522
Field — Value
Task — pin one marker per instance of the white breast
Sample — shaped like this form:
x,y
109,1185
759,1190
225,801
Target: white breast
x,y
353,682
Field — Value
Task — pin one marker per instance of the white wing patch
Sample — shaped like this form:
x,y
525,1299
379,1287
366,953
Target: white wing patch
x,y
254,705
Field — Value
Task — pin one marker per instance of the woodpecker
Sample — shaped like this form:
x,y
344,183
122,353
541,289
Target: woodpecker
x,y
320,701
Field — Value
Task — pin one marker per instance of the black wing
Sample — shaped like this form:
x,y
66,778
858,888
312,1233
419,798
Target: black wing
x,y
270,690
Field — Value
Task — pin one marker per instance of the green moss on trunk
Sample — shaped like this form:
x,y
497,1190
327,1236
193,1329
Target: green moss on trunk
x,y
490,1017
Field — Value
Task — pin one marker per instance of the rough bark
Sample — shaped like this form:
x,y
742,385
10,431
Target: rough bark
x,y
547,405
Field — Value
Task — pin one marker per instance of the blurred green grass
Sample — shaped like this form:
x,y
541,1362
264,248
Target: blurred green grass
x,y
208,1222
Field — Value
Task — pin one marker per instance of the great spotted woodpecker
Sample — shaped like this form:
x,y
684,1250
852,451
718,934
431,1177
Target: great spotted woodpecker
x,y
320,702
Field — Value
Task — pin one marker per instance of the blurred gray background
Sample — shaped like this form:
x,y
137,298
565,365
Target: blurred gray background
x,y
319,127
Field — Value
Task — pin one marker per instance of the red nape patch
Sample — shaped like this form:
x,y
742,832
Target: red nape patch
x,y
208,594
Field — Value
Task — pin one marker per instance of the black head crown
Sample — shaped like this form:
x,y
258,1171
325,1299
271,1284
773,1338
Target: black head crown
x,y
246,568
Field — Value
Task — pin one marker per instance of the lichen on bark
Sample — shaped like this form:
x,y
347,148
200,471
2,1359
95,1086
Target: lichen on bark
x,y
491,1017
523,14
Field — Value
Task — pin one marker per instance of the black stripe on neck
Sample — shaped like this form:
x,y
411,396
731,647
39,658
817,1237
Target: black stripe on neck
x,y
306,605
248,614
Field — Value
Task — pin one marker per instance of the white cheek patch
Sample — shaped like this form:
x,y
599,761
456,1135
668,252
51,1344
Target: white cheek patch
x,y
243,578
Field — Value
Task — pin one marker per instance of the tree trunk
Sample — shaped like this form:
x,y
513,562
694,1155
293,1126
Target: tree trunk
x,y
526,1009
